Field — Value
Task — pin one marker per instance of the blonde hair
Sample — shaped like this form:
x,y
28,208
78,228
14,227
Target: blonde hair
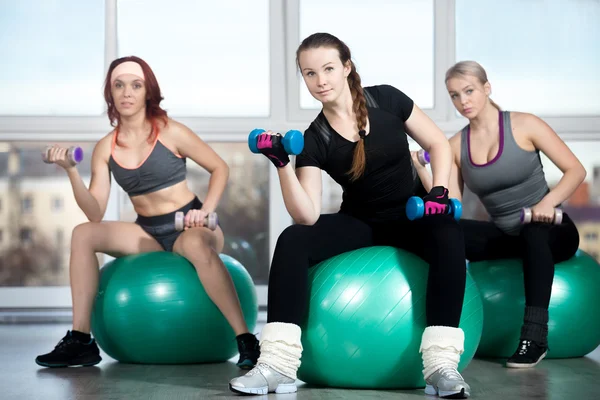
x,y
473,68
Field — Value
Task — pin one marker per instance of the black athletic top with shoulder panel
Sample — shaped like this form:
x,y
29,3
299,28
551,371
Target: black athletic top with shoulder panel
x,y
390,178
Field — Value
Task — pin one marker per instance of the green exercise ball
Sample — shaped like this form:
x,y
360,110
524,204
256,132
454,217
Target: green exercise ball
x,y
574,320
152,309
366,318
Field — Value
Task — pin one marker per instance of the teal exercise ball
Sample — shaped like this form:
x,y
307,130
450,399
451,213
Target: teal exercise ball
x,y
152,309
366,317
574,319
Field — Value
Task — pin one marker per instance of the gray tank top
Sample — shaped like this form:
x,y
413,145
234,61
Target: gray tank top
x,y
159,170
512,180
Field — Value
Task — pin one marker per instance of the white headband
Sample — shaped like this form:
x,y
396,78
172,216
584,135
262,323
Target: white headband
x,y
128,67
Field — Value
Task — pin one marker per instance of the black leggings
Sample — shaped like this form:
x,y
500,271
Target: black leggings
x,y
437,239
539,245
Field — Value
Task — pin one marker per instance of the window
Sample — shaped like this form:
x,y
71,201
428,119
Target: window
x,y
27,205
53,54
541,56
60,237
57,204
25,235
591,236
29,255
392,42
211,60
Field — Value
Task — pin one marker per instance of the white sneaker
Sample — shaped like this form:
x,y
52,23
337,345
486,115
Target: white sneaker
x,y
447,383
263,379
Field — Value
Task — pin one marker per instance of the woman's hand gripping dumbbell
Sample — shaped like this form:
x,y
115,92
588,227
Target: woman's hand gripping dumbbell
x,y
436,202
275,146
527,217
64,157
210,221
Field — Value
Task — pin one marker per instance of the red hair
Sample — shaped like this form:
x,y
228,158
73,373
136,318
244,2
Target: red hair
x,y
154,113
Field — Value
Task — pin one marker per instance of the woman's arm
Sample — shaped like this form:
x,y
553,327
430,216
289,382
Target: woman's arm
x,y
431,139
456,184
301,193
422,171
190,145
92,201
548,142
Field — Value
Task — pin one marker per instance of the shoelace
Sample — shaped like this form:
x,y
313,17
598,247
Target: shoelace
x,y
450,372
524,347
257,369
64,342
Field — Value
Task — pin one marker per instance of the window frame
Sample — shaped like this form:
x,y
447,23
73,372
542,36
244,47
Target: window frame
x,y
285,114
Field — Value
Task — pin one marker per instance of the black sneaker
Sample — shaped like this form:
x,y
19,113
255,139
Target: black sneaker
x,y
249,349
70,352
528,355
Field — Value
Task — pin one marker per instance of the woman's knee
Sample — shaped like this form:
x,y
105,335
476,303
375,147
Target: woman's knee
x,y
197,246
86,233
445,230
535,236
294,237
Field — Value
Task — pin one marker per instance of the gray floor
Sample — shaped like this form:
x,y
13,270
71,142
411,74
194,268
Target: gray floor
x,y
21,378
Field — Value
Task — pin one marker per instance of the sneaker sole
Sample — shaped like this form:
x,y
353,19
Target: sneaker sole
x,y
281,389
87,363
524,365
430,390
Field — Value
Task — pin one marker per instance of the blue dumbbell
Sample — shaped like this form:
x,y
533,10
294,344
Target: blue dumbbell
x,y
415,208
293,141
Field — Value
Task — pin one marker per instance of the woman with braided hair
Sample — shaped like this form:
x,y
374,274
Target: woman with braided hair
x,y
359,139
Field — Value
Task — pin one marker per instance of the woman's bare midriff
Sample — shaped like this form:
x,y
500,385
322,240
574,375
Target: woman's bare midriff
x,y
163,201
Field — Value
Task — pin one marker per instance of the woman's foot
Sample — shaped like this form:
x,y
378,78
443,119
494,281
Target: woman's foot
x,y
528,354
262,380
71,351
249,349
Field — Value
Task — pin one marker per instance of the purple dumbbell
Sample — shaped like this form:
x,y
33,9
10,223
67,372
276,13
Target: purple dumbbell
x,y
74,155
423,157
527,216
211,221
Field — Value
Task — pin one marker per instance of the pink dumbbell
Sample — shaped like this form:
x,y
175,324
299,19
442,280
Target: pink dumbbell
x,y
211,221
74,155
527,216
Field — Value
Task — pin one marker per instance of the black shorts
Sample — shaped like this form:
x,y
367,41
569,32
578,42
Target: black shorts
x,y
162,227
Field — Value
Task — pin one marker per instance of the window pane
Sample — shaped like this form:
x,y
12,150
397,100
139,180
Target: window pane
x,y
583,206
52,57
391,42
541,56
243,210
30,254
211,59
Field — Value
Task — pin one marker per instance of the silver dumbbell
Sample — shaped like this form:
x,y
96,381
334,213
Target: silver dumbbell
x,y
211,221
74,155
527,216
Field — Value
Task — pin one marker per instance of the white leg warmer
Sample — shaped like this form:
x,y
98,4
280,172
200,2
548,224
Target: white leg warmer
x,y
441,346
280,347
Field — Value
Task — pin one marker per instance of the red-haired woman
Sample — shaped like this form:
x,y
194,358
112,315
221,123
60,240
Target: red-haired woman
x,y
146,153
